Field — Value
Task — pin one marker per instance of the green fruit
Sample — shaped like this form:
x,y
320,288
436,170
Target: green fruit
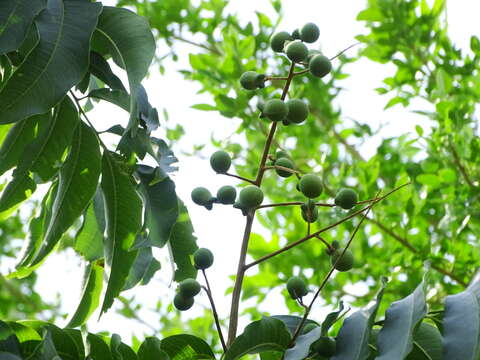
x,y
335,244
220,161
325,346
309,33
182,303
286,163
226,195
189,288
311,185
310,215
308,327
250,197
296,51
281,154
296,287
297,111
319,65
312,53
201,196
251,80
346,198
275,109
278,39
346,261
202,258
296,34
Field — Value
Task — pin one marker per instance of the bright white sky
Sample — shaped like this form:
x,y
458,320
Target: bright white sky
x,y
221,230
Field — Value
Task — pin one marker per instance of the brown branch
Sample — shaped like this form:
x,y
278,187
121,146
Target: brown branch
x,y
240,177
208,290
458,163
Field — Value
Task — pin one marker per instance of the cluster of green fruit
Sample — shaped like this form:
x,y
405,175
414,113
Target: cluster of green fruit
x,y
189,288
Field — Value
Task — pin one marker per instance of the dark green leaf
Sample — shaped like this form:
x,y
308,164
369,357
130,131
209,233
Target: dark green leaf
x,y
8,339
116,97
330,319
39,83
185,347
144,262
16,16
292,322
302,345
427,343
150,350
267,334
101,69
8,356
98,348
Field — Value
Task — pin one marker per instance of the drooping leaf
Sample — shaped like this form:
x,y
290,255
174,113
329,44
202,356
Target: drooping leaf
x,y
395,340
132,50
101,69
461,323
292,322
146,112
116,97
65,28
184,347
123,214
267,334
427,343
151,350
182,245
90,298
165,158
16,16
353,337
78,181
143,266
161,205
330,319
302,345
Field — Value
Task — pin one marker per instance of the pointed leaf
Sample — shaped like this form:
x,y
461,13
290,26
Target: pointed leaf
x,y
182,245
161,205
302,345
427,343
185,347
292,322
395,340
78,182
123,214
461,323
330,319
101,69
16,17
150,350
116,97
354,335
140,268
267,334
65,28
90,298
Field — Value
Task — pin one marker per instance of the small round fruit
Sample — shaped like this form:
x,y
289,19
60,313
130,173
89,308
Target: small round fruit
x,y
312,53
286,163
311,185
297,111
182,303
296,51
189,288
281,154
203,258
275,109
296,34
345,263
278,39
308,327
226,195
220,161
335,244
346,198
296,287
201,196
309,33
250,197
248,80
319,65
325,346
310,215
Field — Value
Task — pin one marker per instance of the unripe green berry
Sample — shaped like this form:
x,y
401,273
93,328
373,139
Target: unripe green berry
x,y
296,51
335,244
312,53
346,198
281,154
248,80
182,303
275,109
310,215
296,287
325,346
250,197
278,39
308,327
201,196
311,185
345,263
297,111
202,258
319,65
286,163
296,34
189,288
309,33
220,161
226,195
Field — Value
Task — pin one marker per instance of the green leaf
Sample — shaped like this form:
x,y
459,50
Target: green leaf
x,y
427,343
98,348
182,245
267,334
46,349
204,107
124,220
302,345
352,339
90,298
101,69
119,350
116,97
16,16
150,350
461,323
395,340
186,347
161,205
144,263
8,356
292,322
330,319
132,50
58,62
8,340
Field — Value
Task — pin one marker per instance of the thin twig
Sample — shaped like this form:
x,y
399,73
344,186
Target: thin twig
x,y
240,177
208,290
211,49
458,163
344,50
278,167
